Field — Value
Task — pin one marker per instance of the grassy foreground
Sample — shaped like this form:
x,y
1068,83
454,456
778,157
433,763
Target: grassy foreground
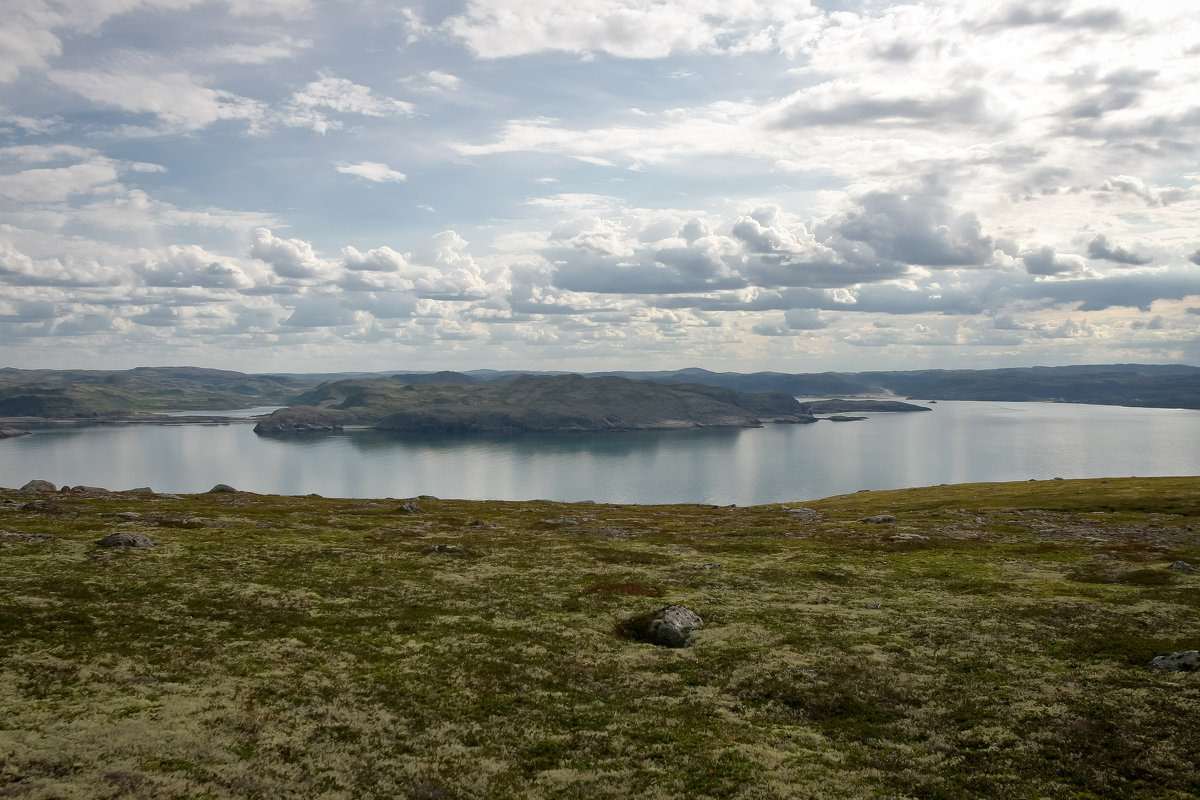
x,y
279,647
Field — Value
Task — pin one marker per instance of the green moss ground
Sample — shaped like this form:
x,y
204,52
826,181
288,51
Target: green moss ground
x,y
278,647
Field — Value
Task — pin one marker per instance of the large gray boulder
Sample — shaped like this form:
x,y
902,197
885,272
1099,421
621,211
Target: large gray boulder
x,y
670,626
38,487
1183,661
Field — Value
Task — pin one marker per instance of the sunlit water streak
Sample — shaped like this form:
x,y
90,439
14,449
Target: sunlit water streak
x,y
956,442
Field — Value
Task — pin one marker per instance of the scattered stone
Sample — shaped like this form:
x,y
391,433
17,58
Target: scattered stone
x,y
671,626
128,516
1183,661
17,536
445,548
37,487
874,606
221,487
1183,565
85,490
713,565
878,519
127,540
908,537
805,514
409,508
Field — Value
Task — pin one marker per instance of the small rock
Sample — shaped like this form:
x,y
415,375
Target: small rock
x,y
878,519
128,516
127,540
17,536
445,548
908,537
409,508
222,487
806,514
1183,565
671,626
1183,661
713,565
37,487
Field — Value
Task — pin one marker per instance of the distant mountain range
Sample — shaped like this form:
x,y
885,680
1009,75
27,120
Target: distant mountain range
x,y
101,394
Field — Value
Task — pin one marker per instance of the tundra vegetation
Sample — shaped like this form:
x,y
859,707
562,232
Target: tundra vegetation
x,y
987,640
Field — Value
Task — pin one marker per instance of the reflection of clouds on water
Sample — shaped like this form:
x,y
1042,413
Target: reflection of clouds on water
x,y
958,442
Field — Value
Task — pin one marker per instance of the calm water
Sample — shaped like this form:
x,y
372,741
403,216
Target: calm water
x,y
957,442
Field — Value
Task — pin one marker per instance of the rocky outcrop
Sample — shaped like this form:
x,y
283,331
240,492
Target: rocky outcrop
x,y
1183,661
36,487
221,487
299,419
1183,566
7,432
670,626
878,519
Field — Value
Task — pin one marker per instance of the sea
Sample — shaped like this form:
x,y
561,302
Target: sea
x,y
955,442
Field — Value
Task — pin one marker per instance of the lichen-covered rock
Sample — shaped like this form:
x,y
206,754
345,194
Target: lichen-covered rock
x,y
1183,661
37,487
671,626
1184,566
878,519
127,540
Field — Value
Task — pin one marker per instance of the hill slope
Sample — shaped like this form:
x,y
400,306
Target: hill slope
x,y
992,641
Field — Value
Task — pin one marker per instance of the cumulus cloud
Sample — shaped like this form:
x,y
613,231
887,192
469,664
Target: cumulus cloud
x,y
1045,261
289,258
1100,247
192,266
380,259
372,171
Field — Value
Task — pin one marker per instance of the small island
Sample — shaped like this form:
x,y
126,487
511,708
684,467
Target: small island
x,y
530,403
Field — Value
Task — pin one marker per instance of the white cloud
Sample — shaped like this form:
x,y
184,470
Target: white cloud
x,y
177,98
630,28
372,171
289,258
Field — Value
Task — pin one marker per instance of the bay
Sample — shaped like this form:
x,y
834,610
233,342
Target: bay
x,y
955,443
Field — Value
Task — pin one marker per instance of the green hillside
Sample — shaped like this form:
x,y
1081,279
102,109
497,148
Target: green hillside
x,y
991,641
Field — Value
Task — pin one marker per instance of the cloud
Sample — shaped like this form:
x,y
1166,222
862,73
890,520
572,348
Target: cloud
x,y
308,106
192,266
178,99
289,258
1099,247
372,171
629,28
832,104
381,259
1044,261
804,319
50,184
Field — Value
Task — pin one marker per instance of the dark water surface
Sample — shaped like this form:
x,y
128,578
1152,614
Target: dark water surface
x,y
957,442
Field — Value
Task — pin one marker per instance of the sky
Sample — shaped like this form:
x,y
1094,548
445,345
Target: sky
x,y
789,185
